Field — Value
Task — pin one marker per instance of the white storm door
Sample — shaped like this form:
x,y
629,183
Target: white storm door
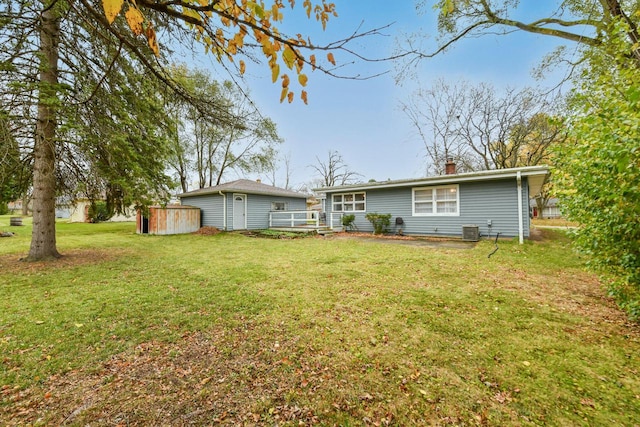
x,y
239,212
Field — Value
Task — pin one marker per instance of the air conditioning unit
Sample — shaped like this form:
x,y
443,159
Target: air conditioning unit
x,y
470,233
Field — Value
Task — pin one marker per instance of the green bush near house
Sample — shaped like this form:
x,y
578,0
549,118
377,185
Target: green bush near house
x,y
348,221
380,222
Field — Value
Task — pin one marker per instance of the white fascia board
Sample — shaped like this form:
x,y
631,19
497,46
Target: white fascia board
x,y
443,179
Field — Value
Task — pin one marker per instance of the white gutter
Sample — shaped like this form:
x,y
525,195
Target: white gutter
x,y
520,220
224,210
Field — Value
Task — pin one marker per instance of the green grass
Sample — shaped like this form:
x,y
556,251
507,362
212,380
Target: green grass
x,y
191,329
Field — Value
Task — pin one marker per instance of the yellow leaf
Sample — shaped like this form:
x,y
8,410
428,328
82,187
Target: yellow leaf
x,y
243,67
307,6
275,72
191,13
288,56
285,80
303,96
135,20
312,60
302,79
239,39
275,12
290,97
152,40
283,94
331,59
112,8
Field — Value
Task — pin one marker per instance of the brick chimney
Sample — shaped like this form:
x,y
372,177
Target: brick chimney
x,y
450,167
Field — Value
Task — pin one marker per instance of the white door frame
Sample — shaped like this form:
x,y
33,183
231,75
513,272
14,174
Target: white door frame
x,y
235,220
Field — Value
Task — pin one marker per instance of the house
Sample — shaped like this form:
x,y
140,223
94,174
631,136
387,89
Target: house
x,y
242,204
494,201
550,211
78,211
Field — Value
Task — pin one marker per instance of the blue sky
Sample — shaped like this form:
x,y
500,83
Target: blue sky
x,y
361,119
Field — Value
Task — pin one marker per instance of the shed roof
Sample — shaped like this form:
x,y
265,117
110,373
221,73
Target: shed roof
x,y
245,186
536,175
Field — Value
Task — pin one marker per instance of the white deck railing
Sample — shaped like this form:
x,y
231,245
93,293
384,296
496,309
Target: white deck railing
x,y
335,221
294,219
304,219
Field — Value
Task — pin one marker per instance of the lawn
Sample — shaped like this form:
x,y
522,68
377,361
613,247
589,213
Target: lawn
x,y
227,329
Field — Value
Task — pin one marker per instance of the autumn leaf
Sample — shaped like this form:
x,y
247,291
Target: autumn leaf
x,y
283,94
135,20
331,59
111,9
191,13
303,96
312,60
302,79
275,72
285,81
243,67
152,40
290,97
288,56
307,6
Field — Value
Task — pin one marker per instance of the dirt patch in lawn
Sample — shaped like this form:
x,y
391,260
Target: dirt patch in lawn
x,y
436,242
70,258
208,231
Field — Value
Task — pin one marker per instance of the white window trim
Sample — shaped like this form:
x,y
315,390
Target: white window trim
x,y
434,189
333,203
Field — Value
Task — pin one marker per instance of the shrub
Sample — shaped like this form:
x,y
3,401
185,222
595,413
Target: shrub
x,y
380,222
348,221
98,212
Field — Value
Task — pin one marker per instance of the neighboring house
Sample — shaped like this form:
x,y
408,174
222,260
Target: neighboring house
x,y
78,211
551,210
496,201
242,204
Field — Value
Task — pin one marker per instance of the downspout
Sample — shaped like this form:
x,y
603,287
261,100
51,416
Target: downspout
x,y
520,220
224,210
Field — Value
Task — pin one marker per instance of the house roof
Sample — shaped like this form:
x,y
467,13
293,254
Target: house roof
x,y
536,175
245,186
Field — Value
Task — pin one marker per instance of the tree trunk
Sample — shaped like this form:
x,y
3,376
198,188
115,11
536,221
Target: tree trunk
x,y
43,238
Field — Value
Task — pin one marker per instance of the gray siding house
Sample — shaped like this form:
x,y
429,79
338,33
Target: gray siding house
x,y
242,204
495,201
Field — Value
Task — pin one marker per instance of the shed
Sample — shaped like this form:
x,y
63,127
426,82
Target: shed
x,y
243,204
172,219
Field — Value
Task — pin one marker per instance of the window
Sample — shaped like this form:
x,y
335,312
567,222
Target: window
x,y
278,206
349,202
436,201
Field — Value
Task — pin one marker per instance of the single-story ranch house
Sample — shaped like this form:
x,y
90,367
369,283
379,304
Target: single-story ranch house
x,y
242,204
493,201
